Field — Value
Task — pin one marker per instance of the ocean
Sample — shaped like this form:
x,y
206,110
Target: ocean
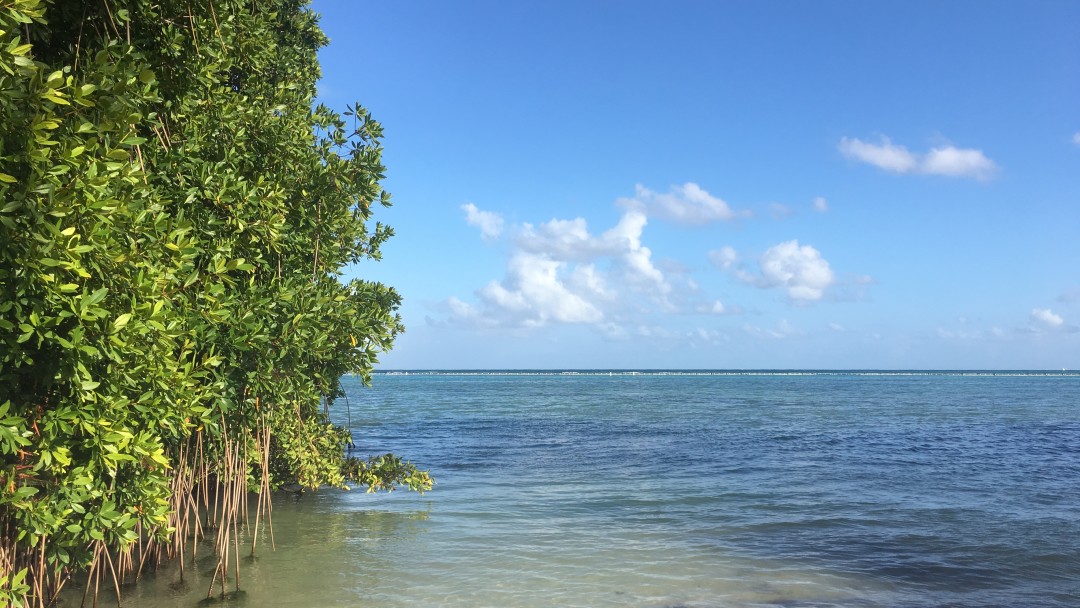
x,y
690,489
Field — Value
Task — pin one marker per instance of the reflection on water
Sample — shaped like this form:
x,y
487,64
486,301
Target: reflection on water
x,y
329,553
696,491
337,549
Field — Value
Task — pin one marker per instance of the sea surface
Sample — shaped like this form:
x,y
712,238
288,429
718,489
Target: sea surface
x,y
689,489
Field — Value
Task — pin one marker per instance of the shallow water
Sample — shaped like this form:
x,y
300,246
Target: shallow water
x,y
703,490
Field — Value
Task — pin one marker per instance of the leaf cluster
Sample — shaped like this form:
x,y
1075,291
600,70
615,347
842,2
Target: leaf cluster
x,y
174,219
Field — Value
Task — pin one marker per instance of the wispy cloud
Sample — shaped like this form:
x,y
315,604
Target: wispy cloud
x,y
799,270
1076,138
1071,295
724,258
883,155
942,160
779,211
490,224
821,205
685,204
783,329
716,307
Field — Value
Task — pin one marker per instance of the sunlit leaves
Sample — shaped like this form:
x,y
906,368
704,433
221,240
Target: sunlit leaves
x,y
174,218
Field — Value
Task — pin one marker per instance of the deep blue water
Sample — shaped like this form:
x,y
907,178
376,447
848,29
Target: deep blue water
x,y
700,490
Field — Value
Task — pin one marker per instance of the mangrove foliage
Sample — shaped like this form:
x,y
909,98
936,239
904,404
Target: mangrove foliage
x,y
175,218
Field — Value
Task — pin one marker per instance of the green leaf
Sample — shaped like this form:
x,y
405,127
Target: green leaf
x,y
24,492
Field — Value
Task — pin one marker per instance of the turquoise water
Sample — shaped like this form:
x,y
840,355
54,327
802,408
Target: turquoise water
x,y
696,490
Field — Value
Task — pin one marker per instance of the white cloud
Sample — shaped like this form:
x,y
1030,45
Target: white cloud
x,y
883,155
1076,138
490,224
567,240
459,309
798,269
559,272
625,238
1046,317
586,279
1045,320
724,257
821,205
570,241
944,160
533,294
685,204
956,162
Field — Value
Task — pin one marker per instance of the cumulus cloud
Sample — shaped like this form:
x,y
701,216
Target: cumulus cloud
x,y
490,224
560,272
534,293
685,204
1046,318
958,162
943,160
461,310
570,241
800,270
821,205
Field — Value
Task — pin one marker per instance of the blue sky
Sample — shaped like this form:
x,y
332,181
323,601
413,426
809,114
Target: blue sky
x,y
625,184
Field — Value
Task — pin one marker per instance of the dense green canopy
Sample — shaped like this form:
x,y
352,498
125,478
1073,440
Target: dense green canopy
x,y
174,220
